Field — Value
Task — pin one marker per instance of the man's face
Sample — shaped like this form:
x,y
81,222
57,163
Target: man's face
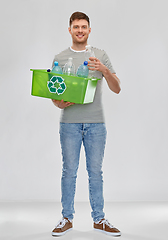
x,y
79,31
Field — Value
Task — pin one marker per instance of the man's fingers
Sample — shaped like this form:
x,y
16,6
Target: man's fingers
x,y
65,104
62,104
93,59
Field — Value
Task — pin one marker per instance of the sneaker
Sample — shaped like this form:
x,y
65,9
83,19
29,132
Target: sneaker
x,y
105,227
62,227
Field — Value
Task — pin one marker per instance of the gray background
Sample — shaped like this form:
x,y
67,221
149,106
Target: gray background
x,y
134,35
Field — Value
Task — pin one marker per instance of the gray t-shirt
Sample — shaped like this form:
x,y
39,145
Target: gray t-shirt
x,y
91,112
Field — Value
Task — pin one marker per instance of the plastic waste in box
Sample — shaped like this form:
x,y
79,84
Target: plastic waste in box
x,y
69,68
83,70
56,68
59,86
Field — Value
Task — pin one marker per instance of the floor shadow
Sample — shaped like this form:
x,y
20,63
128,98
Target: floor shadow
x,y
72,235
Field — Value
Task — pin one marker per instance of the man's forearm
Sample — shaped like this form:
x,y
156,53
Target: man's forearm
x,y
112,80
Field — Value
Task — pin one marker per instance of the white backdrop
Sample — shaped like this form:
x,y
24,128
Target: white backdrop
x,y
134,35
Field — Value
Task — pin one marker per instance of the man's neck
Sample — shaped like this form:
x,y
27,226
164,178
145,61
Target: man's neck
x,y
79,47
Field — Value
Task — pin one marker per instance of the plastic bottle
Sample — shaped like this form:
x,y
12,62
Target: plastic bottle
x,y
89,53
56,68
69,68
83,70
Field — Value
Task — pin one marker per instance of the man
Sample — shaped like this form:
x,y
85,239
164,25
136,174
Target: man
x,y
84,124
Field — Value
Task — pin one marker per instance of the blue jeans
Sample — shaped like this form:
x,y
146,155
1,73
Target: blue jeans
x,y
93,136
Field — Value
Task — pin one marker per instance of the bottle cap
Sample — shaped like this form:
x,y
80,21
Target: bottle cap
x,y
70,60
56,63
85,63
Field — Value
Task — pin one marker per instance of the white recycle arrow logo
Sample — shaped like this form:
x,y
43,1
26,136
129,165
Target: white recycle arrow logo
x,y
53,89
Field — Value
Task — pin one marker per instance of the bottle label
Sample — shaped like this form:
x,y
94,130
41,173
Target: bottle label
x,y
56,85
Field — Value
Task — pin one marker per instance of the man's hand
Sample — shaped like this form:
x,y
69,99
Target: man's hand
x,y
111,78
61,104
95,64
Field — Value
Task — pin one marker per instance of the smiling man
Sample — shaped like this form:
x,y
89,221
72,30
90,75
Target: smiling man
x,y
84,124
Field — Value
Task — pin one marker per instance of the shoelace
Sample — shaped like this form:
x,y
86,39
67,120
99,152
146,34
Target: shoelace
x,y
105,222
61,223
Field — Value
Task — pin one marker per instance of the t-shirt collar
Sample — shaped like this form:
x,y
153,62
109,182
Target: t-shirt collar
x,y
77,51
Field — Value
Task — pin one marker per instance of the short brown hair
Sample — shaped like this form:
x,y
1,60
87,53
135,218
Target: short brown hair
x,y
78,15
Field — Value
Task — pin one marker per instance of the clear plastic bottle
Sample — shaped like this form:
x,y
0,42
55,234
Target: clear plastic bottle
x,y
83,70
89,53
56,68
69,68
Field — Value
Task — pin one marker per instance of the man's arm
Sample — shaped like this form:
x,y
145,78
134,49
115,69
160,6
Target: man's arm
x,y
111,78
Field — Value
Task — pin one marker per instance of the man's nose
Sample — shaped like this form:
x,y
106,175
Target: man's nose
x,y
80,29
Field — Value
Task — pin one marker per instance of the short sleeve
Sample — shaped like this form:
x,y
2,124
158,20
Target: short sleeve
x,y
106,61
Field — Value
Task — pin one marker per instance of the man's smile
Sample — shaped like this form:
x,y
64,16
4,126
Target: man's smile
x,y
80,35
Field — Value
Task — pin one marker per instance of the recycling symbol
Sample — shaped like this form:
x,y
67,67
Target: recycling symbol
x,y
56,85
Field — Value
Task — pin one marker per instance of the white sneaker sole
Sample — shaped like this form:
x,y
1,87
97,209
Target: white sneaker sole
x,y
108,233
62,233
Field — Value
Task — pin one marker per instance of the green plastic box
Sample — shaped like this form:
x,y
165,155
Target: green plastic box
x,y
59,86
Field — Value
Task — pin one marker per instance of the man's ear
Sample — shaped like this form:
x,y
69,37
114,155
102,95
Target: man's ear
x,y
69,29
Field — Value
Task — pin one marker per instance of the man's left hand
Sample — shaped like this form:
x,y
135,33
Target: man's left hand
x,y
95,64
111,78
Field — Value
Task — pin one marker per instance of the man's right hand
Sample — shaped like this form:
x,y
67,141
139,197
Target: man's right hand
x,y
61,104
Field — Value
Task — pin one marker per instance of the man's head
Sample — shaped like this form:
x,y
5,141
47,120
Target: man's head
x,y
79,28
78,15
